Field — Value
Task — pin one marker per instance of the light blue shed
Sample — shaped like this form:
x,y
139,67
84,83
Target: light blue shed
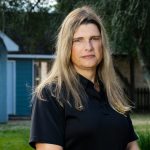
x,y
20,81
20,84
17,79
6,45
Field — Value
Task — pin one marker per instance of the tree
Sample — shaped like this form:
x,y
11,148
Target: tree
x,y
131,24
29,24
128,25
35,27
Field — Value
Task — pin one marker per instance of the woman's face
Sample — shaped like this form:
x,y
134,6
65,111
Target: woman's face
x,y
86,51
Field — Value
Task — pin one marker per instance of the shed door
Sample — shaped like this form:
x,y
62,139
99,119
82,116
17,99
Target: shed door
x,y
11,88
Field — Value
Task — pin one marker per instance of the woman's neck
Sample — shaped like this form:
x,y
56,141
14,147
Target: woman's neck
x,y
90,75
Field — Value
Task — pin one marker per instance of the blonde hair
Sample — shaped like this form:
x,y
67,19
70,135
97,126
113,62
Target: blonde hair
x,y
63,73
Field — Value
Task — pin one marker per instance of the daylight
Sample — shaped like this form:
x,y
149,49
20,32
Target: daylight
x,y
49,2
44,4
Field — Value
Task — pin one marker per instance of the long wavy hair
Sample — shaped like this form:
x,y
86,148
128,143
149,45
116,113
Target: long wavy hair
x,y
63,74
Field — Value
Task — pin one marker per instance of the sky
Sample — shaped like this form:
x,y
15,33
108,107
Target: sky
x,y
43,3
46,3
50,2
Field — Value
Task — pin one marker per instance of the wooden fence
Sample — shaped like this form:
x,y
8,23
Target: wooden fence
x,y
142,99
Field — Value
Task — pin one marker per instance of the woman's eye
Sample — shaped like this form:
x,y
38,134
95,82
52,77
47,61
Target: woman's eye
x,y
77,40
95,38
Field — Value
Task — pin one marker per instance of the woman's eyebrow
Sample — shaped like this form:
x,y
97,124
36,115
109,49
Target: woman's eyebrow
x,y
80,37
97,36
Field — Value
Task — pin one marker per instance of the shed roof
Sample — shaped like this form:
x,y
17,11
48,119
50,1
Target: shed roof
x,y
30,56
2,45
8,43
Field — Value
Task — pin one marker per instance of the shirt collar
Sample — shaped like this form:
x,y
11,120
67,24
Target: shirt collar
x,y
84,81
87,83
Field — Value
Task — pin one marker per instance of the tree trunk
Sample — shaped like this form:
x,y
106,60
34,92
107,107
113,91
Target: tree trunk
x,y
144,65
132,78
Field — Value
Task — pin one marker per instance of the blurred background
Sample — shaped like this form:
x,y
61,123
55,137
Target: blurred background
x,y
28,31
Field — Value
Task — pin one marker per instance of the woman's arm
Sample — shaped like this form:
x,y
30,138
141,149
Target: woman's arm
x,y
44,146
47,123
132,146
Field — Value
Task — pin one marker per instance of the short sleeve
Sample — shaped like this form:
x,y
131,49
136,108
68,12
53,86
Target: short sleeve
x,y
132,135
47,121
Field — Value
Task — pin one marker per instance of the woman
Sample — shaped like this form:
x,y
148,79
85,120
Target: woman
x,y
81,106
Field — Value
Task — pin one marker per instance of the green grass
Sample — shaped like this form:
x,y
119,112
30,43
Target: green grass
x,y
15,134
142,127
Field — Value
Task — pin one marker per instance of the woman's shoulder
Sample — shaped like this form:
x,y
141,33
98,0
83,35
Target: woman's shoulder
x,y
47,93
44,92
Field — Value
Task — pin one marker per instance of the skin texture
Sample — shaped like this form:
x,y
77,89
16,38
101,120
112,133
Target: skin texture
x,y
86,50
44,146
86,55
132,146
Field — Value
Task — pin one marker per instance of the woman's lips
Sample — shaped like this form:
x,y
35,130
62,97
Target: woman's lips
x,y
88,56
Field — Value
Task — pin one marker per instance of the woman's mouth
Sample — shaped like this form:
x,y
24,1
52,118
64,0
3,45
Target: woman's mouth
x,y
88,56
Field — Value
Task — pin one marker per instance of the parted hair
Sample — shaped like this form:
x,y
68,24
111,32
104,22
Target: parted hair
x,y
63,74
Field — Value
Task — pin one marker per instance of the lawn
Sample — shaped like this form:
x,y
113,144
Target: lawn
x,y
15,134
142,127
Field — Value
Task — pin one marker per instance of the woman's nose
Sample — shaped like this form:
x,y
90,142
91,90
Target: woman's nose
x,y
88,45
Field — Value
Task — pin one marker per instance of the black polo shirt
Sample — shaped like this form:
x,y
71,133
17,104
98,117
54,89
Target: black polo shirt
x,y
97,127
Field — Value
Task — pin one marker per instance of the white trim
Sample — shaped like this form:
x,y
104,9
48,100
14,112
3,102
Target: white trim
x,y
30,56
33,74
14,86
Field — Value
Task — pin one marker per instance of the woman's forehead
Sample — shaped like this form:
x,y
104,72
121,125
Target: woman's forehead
x,y
87,29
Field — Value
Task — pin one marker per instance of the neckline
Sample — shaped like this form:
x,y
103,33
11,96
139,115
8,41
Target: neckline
x,y
86,82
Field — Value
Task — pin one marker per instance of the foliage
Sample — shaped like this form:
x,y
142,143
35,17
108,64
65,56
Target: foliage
x,y
131,24
29,24
34,25
128,25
